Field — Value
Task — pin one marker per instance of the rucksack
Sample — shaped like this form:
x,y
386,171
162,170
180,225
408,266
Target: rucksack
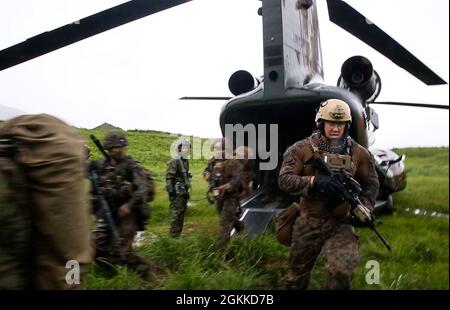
x,y
143,215
46,169
15,222
149,182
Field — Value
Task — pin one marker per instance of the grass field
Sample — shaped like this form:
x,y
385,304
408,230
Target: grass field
x,y
419,259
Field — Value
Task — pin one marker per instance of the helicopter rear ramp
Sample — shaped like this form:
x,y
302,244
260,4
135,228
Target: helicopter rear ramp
x,y
257,214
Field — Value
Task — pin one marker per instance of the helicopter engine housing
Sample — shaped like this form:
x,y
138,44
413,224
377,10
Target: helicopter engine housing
x,y
241,82
359,77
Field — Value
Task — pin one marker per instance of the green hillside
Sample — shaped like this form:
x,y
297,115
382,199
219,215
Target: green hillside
x,y
106,126
419,259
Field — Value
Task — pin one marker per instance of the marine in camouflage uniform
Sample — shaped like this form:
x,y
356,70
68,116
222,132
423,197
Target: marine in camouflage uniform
x,y
213,173
124,190
246,156
44,218
177,186
231,186
324,220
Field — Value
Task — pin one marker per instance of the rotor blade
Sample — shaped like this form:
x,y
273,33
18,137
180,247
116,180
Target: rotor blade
x,y
409,104
49,41
205,98
354,22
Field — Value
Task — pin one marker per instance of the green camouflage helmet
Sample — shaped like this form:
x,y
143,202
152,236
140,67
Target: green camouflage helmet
x,y
114,139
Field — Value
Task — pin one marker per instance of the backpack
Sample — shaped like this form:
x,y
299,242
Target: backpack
x,y
285,222
149,182
15,222
44,216
144,212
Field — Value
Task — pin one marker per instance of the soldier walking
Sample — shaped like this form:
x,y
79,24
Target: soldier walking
x,y
234,177
324,220
123,187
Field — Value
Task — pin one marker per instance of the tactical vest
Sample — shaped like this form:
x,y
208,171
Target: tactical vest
x,y
119,186
336,162
116,182
182,171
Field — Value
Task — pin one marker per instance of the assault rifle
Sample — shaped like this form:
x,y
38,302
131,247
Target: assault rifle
x,y
180,188
99,146
351,193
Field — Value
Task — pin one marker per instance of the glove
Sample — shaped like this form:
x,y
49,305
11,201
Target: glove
x,y
329,185
220,191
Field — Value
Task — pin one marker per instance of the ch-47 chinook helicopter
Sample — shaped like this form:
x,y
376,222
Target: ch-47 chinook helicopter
x,y
292,86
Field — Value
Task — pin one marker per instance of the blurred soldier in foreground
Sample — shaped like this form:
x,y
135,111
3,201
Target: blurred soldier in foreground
x,y
177,186
325,219
120,201
44,217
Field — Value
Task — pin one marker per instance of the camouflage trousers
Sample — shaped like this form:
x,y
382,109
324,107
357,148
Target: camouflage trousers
x,y
178,206
218,203
107,254
229,219
340,245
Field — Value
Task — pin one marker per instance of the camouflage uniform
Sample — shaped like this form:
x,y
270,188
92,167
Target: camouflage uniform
x,y
122,183
324,222
177,186
230,187
44,219
213,174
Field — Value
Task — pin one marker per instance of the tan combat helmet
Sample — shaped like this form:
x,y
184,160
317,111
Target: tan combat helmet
x,y
334,110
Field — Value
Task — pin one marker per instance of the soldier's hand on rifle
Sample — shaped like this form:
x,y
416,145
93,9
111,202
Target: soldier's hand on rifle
x,y
124,210
329,185
362,214
221,190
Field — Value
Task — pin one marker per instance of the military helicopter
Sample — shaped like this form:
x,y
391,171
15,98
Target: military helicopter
x,y
292,86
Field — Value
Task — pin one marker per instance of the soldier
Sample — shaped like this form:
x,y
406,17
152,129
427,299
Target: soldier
x,y
213,173
246,156
231,186
324,217
123,187
177,186
44,217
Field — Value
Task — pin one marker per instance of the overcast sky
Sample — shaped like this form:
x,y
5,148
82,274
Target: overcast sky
x,y
133,75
